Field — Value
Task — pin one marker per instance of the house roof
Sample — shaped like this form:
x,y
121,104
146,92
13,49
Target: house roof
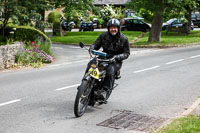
x,y
110,2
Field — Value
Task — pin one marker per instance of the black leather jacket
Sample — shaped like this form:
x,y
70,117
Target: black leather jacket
x,y
113,45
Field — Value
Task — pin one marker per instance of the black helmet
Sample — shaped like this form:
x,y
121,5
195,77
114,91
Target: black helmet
x,y
113,22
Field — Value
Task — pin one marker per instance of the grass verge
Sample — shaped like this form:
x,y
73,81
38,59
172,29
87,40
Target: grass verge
x,y
136,39
170,39
188,124
88,37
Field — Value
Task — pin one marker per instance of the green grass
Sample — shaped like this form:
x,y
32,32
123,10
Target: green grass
x,y
88,37
189,124
171,39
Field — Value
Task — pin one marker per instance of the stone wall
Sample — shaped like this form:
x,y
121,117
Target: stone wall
x,y
8,54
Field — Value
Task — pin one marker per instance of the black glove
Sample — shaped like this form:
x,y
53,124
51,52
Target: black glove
x,y
119,57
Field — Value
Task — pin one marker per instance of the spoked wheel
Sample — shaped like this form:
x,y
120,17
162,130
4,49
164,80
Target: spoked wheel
x,y
82,98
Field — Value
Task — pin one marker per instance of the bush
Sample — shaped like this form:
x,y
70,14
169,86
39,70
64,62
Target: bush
x,y
53,16
56,26
34,55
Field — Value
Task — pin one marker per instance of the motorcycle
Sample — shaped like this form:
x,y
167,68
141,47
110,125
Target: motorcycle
x,y
88,91
86,26
66,26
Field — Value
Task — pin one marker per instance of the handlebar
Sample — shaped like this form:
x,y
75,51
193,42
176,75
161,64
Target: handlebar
x,y
98,53
103,54
95,52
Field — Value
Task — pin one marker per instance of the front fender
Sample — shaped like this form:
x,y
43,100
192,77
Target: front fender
x,y
88,78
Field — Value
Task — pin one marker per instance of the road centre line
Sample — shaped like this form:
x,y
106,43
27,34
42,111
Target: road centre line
x,y
150,68
195,56
67,87
168,63
10,102
145,51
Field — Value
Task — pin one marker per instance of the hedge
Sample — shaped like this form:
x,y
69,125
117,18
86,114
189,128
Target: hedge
x,y
27,34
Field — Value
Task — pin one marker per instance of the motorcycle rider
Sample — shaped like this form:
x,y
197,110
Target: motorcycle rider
x,y
116,44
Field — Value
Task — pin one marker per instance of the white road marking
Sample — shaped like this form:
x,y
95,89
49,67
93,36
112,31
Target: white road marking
x,y
194,56
168,63
146,69
145,51
63,88
10,102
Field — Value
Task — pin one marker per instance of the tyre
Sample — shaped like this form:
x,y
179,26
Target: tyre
x,y
82,98
108,94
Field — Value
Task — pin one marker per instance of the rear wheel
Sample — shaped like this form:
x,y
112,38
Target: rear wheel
x,y
82,98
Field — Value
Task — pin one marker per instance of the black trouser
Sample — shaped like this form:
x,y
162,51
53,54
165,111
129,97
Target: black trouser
x,y
110,73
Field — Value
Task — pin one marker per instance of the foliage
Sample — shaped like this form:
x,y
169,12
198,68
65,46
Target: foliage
x,y
24,12
146,14
53,16
2,40
106,13
118,13
74,6
27,34
100,21
75,16
160,9
34,55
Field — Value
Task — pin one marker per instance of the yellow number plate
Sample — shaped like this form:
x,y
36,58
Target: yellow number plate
x,y
94,72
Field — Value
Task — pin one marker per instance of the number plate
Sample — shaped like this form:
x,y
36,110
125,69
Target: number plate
x,y
94,72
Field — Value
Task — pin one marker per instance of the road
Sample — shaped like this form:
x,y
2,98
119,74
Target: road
x,y
159,83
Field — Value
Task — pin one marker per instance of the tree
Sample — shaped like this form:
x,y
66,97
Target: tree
x,y
8,9
71,6
159,8
23,12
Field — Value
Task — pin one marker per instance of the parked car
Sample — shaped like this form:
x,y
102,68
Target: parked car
x,y
175,23
134,24
196,19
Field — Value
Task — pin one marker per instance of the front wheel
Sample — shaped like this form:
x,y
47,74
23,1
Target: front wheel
x,y
82,98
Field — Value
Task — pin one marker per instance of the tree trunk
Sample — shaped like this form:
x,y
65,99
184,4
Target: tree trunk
x,y
3,28
188,17
155,33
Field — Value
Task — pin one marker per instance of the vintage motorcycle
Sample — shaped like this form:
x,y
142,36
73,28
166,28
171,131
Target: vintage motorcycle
x,y
66,26
92,81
